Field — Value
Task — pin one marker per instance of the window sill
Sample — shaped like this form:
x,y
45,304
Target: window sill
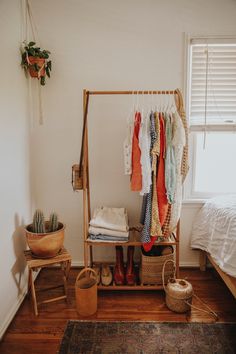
x,y
193,203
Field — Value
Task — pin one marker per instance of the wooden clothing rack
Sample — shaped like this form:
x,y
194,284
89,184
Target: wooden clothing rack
x,y
134,238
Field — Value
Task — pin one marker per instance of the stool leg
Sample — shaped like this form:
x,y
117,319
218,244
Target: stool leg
x,y
33,292
29,280
63,268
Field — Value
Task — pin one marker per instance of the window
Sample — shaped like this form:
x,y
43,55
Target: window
x,y
211,102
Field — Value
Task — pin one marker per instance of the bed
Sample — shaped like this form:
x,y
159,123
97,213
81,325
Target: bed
x,y
214,234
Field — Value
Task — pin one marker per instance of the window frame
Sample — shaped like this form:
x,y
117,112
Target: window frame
x,y
189,195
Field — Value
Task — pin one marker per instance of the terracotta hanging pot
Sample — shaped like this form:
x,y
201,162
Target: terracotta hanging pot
x,y
41,65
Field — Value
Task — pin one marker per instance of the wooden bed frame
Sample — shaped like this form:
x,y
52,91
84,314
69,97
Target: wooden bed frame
x,y
228,279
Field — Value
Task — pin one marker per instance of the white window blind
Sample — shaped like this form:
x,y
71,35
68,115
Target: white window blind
x,y
212,83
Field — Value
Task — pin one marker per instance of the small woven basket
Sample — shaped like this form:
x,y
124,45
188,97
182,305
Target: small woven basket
x,y
77,177
151,269
179,292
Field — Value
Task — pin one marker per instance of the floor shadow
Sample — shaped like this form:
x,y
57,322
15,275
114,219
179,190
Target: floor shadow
x,y
19,244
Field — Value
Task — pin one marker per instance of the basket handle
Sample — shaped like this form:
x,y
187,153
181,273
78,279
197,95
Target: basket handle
x,y
163,272
86,270
209,311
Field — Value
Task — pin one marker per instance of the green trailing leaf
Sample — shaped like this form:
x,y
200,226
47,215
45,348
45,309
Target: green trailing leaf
x,y
49,65
31,52
31,44
47,71
42,80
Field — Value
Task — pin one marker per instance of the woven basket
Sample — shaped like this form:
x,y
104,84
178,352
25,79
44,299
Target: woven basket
x,y
86,292
151,269
179,292
77,177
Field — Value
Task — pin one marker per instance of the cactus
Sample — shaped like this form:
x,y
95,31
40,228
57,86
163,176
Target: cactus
x,y
38,222
53,222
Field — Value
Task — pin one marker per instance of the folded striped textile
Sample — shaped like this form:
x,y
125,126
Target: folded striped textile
x,y
110,218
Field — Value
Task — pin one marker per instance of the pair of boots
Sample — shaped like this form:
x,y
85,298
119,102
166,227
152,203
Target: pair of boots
x,y
120,275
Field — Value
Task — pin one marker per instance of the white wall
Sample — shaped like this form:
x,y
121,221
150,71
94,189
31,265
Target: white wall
x,y
113,45
126,44
14,152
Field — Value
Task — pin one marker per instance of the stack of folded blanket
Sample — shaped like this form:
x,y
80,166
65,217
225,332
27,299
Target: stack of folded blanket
x,y
109,224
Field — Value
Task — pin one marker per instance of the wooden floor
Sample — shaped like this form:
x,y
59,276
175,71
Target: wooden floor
x,y
42,334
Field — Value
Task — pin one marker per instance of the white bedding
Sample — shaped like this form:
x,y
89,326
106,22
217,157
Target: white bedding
x,y
214,231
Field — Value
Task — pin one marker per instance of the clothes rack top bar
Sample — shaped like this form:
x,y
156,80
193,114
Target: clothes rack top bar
x,y
135,92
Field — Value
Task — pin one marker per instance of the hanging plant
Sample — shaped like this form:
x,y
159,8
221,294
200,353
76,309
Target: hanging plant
x,y
35,61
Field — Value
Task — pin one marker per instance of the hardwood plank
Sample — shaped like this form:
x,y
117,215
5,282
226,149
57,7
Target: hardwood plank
x,y
42,334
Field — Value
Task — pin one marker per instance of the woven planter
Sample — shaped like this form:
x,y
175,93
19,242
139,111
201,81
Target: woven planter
x,y
151,269
45,245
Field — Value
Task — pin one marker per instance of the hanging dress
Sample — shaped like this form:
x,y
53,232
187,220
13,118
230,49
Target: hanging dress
x,y
155,220
146,212
161,189
170,163
136,176
144,144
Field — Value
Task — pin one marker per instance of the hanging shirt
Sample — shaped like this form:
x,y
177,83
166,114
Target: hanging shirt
x,y
178,141
127,147
136,176
170,165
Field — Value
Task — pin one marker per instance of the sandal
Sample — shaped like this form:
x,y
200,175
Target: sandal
x,y
106,275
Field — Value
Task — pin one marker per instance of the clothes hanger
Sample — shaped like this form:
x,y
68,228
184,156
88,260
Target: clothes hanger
x,y
173,107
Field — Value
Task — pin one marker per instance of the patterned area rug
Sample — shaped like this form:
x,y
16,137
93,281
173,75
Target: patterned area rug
x,y
148,338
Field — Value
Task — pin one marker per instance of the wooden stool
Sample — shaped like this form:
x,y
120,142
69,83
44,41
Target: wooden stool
x,y
64,259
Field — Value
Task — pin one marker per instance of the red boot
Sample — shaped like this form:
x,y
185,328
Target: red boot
x,y
130,274
119,271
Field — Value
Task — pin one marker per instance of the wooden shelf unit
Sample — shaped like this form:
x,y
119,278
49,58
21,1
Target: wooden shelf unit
x,y
134,237
134,240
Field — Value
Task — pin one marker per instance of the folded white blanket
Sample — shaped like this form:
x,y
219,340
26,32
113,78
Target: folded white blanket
x,y
101,231
110,218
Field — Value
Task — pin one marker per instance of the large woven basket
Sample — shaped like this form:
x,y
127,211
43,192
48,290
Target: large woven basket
x,y
86,292
151,269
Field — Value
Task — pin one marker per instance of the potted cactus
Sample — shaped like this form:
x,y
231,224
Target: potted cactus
x,y
45,238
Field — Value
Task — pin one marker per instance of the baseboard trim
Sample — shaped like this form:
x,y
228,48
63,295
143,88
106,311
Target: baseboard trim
x,y
14,309
182,264
189,264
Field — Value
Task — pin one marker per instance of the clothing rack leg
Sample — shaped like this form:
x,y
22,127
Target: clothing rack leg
x,y
85,188
177,249
85,93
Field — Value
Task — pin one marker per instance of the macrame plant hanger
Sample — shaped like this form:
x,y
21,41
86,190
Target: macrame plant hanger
x,y
30,29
